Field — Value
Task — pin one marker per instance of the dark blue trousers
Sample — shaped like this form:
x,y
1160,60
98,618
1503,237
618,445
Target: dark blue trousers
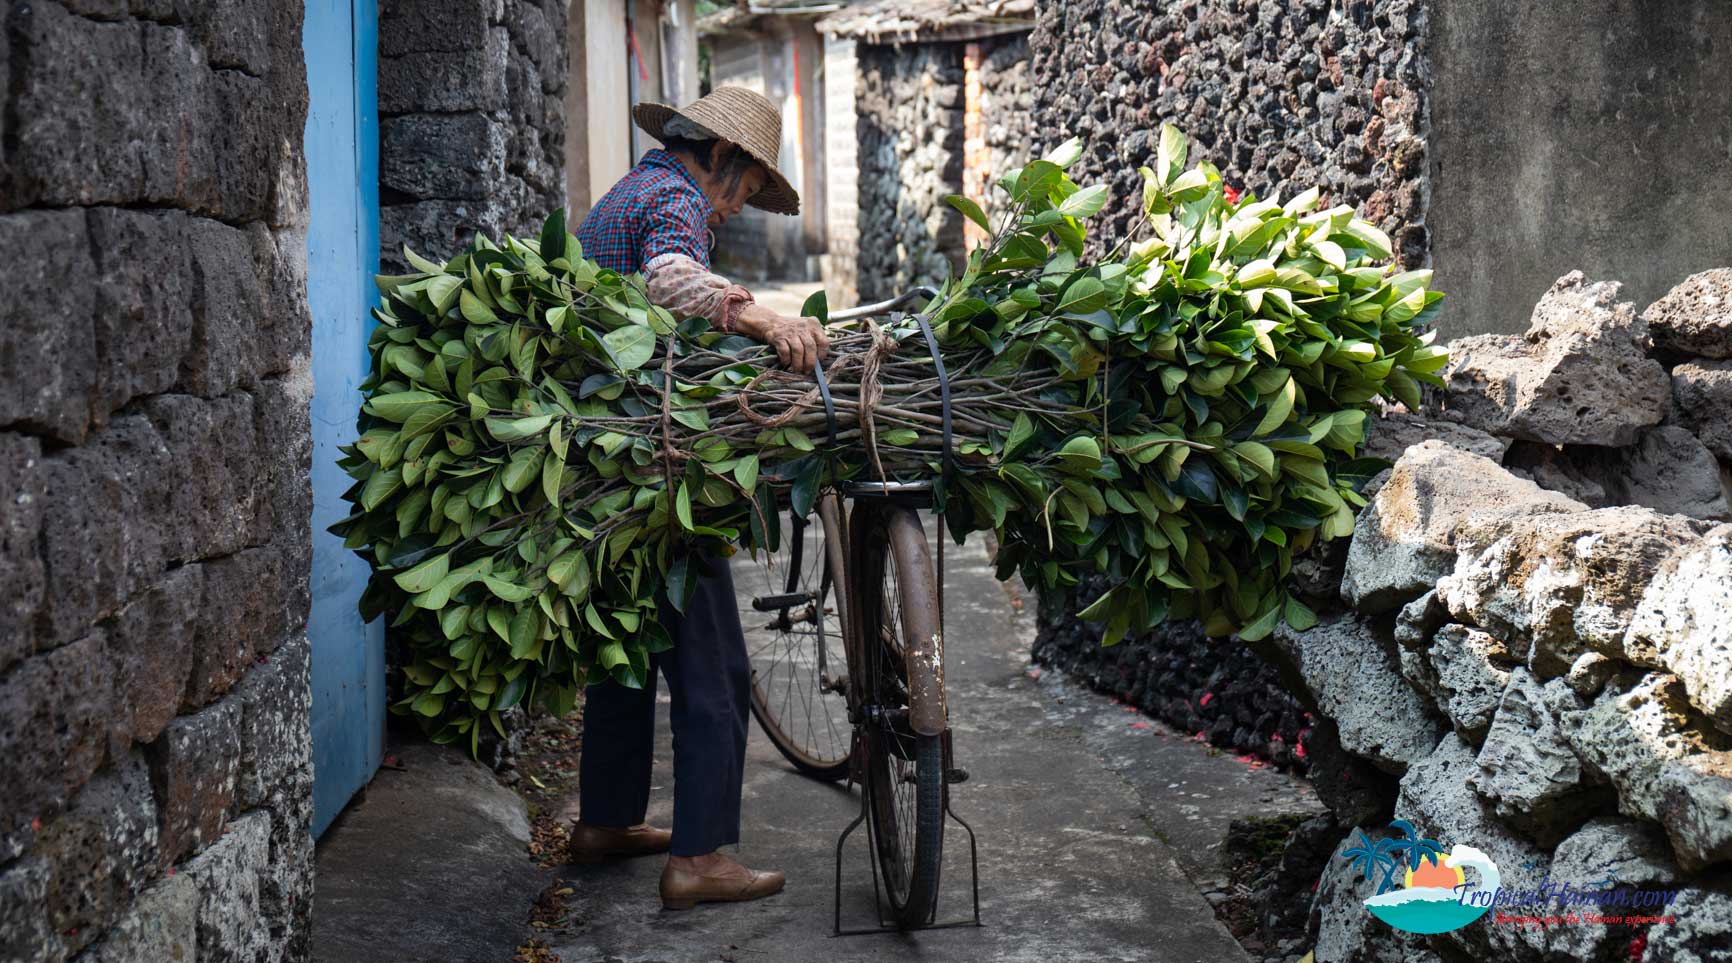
x,y
710,684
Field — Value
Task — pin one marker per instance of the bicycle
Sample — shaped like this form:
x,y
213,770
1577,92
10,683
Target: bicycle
x,y
850,681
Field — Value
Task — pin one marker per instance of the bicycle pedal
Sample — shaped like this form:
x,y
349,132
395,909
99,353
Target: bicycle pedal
x,y
955,775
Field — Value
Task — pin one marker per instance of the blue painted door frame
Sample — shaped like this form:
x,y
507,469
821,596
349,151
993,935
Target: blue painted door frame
x,y
340,38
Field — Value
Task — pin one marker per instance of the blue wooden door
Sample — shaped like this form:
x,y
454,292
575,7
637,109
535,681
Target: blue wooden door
x,y
342,141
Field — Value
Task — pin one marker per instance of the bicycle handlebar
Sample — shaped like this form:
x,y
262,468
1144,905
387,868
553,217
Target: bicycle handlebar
x,y
884,307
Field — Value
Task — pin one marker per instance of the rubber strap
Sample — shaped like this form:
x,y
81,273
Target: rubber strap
x,y
944,392
829,405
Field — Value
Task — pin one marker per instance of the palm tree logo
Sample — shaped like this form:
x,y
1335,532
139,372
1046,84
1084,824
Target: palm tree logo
x,y
1382,859
1421,888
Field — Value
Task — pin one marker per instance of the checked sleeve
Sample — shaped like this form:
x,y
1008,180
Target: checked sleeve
x,y
675,222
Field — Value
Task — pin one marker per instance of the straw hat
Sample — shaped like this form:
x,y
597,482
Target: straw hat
x,y
739,115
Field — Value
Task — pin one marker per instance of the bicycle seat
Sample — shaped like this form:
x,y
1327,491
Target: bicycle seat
x,y
887,489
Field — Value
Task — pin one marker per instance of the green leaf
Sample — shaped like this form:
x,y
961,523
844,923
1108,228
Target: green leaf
x,y
1081,453
746,472
1021,430
424,576
1065,154
683,507
524,467
1261,627
517,429
610,655
400,405
970,210
552,243
1280,406
1085,295
525,631
632,347
1086,202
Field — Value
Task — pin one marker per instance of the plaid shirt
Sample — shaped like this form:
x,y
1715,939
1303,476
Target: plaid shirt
x,y
655,209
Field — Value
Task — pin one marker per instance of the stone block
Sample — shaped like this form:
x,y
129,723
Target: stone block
x,y
283,428
432,26
1701,930
161,927
286,886
1526,767
102,507
435,229
1580,375
251,600
276,735
22,582
1562,584
231,927
235,34
1471,669
1666,762
151,643
116,113
143,311
228,309
1611,847
25,935
193,767
1353,679
1674,473
1683,623
217,480
1696,316
472,78
99,852
1404,541
283,254
55,710
1393,432
1702,391
1577,472
47,349
442,156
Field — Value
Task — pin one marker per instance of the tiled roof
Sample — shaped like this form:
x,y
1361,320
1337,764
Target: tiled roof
x,y
888,21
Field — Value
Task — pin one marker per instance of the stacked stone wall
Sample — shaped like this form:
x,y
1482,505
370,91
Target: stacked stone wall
x,y
471,121
1280,96
154,445
911,129
1533,636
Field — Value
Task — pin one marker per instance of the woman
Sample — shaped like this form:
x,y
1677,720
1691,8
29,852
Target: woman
x,y
718,155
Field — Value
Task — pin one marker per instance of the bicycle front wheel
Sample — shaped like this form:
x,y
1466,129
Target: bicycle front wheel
x,y
896,593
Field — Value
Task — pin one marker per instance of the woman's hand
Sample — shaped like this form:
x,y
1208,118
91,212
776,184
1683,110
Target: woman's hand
x,y
800,343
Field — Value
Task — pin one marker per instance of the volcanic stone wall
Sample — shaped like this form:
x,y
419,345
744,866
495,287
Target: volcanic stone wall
x,y
154,543
471,121
1537,635
1280,96
911,128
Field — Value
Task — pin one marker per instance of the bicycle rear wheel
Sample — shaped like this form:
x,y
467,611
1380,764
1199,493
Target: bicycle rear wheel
x,y
793,625
904,770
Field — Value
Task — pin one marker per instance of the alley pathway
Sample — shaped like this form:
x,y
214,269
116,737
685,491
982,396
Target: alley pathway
x,y
1073,864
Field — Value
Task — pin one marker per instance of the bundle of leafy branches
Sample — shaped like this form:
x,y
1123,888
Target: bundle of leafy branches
x,y
542,452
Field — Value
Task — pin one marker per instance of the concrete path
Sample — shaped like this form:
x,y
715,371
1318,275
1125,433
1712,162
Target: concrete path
x,y
1072,867
428,865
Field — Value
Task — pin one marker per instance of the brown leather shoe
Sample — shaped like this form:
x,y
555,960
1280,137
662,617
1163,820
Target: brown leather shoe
x,y
718,880
592,844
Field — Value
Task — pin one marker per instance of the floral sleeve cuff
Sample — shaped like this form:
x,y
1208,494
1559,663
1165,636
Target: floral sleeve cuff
x,y
688,289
